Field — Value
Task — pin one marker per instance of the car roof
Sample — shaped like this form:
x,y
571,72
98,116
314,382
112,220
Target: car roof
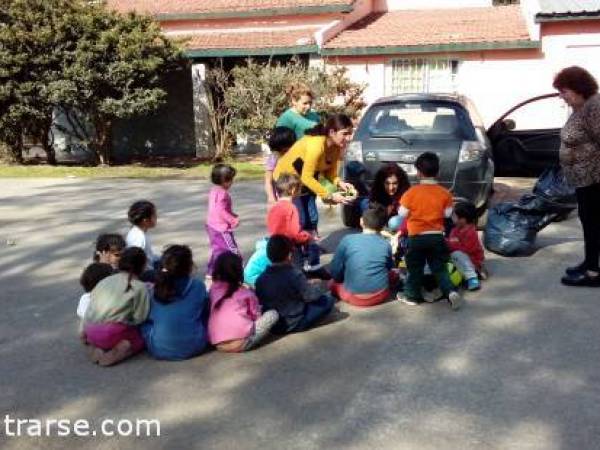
x,y
461,99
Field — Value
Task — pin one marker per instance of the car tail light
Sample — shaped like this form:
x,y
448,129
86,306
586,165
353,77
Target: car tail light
x,y
470,151
354,151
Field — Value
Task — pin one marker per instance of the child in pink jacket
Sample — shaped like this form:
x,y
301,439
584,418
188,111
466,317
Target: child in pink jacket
x,y
220,219
235,323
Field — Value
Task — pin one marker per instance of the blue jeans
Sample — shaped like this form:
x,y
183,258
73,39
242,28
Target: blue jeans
x,y
309,220
315,311
307,208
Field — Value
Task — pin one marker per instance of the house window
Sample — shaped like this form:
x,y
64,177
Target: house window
x,y
423,75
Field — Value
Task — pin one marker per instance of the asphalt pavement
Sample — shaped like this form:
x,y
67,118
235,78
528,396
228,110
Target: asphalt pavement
x,y
517,368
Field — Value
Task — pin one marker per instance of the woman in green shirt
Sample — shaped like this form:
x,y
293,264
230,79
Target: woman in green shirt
x,y
299,117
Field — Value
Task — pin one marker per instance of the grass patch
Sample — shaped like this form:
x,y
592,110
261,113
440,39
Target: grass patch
x,y
245,171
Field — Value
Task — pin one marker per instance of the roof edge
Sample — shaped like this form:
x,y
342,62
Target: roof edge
x,y
233,52
432,48
565,17
301,10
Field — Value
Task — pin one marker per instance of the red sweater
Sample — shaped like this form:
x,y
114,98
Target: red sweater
x,y
466,240
283,218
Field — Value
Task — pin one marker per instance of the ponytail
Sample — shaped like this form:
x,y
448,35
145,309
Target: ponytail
x,y
177,262
133,262
228,269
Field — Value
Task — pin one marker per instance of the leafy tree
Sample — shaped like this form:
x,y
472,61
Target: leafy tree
x,y
257,93
34,36
114,72
78,58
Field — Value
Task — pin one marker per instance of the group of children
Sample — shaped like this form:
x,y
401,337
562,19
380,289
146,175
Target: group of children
x,y
134,299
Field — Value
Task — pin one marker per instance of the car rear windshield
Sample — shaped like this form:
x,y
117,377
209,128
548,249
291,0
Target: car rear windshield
x,y
417,120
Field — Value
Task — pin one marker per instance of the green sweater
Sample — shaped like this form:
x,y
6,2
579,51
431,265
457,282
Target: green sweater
x,y
110,303
297,122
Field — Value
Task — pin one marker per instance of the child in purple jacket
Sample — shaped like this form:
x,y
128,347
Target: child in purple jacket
x,y
220,220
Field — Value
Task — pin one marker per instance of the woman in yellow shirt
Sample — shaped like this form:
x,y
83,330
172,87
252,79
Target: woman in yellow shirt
x,y
315,156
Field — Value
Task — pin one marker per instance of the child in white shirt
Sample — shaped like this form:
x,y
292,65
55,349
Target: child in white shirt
x,y
142,216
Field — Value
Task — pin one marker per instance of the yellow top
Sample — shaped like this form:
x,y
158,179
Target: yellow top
x,y
307,157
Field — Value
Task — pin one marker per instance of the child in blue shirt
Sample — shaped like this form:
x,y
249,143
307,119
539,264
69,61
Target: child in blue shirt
x,y
361,266
176,325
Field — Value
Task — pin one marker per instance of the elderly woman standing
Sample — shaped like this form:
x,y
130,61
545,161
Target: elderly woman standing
x,y
580,160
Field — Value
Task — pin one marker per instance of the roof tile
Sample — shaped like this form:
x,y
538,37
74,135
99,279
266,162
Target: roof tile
x,y
431,27
214,6
252,40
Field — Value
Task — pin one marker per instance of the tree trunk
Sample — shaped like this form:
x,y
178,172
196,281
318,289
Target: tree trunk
x,y
16,149
48,144
103,141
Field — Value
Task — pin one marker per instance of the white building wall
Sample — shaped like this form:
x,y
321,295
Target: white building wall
x,y
494,85
573,50
394,5
370,74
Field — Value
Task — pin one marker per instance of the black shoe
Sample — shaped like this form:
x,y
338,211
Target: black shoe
x,y
576,270
581,279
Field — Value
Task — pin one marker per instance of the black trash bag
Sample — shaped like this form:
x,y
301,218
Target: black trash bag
x,y
540,212
552,186
510,231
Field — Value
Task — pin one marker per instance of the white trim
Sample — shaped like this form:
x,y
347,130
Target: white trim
x,y
320,34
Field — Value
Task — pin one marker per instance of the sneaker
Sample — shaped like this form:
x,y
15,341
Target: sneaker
x,y
473,284
432,296
408,301
455,300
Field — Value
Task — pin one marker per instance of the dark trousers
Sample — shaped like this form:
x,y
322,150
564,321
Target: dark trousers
x,y
588,202
315,311
430,249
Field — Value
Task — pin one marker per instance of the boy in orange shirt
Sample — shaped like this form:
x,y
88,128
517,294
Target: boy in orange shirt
x,y
425,206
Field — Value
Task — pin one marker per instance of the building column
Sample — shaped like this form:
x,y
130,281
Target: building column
x,y
205,147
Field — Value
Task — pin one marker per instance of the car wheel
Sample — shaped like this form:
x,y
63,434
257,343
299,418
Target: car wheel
x,y
351,216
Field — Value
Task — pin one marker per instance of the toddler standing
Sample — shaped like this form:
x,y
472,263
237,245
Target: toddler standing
x,y
426,206
221,220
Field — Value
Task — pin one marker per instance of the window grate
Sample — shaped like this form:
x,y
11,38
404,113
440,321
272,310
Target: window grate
x,y
423,75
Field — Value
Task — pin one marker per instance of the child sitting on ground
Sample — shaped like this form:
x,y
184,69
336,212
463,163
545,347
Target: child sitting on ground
x,y
235,323
465,247
425,206
143,217
361,266
118,304
91,276
109,248
220,219
280,141
176,326
284,288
